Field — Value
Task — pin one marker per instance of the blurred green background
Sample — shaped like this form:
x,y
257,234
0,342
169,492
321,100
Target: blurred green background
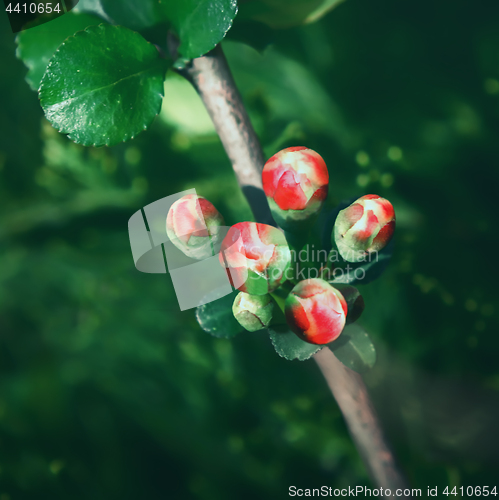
x,y
108,391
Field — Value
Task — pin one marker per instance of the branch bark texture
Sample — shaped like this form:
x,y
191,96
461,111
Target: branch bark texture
x,y
211,77
352,397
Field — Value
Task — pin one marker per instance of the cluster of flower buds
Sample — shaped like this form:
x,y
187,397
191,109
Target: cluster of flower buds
x,y
366,226
256,256
316,311
193,225
253,312
295,181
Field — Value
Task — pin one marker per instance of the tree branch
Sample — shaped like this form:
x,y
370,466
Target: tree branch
x,y
211,77
352,397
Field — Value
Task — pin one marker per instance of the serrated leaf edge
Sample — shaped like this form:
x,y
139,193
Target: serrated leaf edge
x,y
279,352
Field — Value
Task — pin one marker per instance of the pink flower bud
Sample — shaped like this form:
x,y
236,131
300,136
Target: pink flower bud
x,y
316,311
193,226
365,226
295,181
256,256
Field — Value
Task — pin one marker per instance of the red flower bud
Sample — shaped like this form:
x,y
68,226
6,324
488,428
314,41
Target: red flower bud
x,y
193,226
257,257
295,181
316,311
365,226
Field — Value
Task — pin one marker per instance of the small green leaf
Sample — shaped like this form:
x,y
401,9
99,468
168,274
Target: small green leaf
x,y
103,86
217,319
354,348
36,45
200,24
286,13
289,346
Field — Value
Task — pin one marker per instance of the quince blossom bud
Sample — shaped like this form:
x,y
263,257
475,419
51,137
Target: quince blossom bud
x,y
193,226
316,311
354,300
253,312
257,257
295,181
366,226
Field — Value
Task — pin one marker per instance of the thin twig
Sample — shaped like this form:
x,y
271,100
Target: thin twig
x,y
211,77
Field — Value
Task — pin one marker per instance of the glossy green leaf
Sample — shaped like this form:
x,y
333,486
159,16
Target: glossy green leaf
x,y
216,317
36,45
286,13
289,346
103,86
200,24
354,348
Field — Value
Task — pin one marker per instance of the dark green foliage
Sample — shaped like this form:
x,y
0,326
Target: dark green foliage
x,y
109,392
286,13
134,14
105,97
216,317
35,46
